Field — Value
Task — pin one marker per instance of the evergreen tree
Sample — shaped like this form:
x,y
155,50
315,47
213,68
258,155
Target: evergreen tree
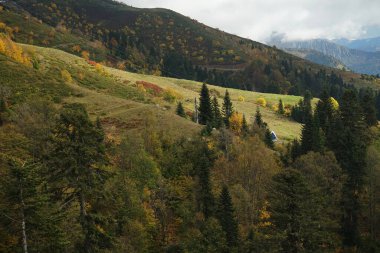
x,y
205,108
244,126
296,150
202,164
258,119
368,107
324,110
348,139
268,139
180,110
307,135
76,160
34,218
250,244
227,219
288,203
217,116
281,109
227,108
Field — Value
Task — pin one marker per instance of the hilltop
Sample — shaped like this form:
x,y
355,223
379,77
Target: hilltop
x,y
163,42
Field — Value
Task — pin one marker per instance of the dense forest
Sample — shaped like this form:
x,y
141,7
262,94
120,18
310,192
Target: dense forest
x,y
98,159
65,187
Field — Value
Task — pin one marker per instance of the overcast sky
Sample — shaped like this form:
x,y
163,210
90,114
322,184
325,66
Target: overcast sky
x,y
298,19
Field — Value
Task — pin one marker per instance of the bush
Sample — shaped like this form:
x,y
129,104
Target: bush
x,y
241,99
66,76
171,95
262,102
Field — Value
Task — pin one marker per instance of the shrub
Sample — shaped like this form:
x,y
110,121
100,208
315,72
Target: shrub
x,y
171,95
262,102
241,99
236,122
66,76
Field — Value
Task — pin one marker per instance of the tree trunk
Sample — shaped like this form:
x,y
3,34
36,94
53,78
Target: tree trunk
x,y
23,224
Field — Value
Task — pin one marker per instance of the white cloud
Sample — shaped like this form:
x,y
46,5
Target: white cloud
x,y
298,19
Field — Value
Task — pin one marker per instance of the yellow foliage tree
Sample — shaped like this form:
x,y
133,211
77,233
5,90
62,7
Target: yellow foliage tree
x,y
66,76
334,103
13,51
262,102
236,122
241,99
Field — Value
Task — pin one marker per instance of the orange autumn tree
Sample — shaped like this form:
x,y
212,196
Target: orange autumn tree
x,y
13,51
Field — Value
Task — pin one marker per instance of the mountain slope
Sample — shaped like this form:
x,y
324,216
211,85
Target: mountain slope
x,y
162,42
119,100
317,57
358,61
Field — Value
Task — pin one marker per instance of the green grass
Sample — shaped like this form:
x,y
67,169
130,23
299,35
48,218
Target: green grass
x,y
122,106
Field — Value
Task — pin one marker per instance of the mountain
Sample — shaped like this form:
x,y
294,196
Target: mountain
x,y
368,45
317,57
356,60
163,42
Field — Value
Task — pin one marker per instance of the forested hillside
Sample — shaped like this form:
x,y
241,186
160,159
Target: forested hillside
x,y
162,42
100,159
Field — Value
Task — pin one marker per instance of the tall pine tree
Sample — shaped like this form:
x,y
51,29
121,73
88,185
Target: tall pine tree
x,y
281,109
368,107
77,161
258,118
227,108
205,108
217,116
348,139
227,218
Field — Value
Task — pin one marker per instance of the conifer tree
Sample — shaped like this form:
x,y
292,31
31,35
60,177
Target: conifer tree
x,y
244,126
368,107
348,139
295,150
217,116
77,162
227,218
227,108
180,110
205,109
307,135
324,111
35,218
202,165
281,109
288,203
258,119
268,138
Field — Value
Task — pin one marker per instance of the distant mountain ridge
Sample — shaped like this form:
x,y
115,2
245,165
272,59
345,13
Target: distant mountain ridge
x,y
356,60
318,57
368,45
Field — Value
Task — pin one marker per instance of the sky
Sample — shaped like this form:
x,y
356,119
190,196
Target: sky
x,y
294,19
